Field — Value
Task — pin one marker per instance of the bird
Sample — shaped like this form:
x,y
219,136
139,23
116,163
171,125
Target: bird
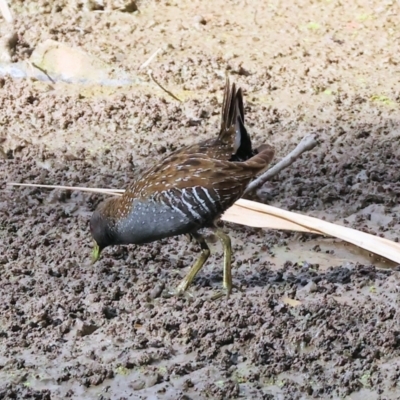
x,y
186,193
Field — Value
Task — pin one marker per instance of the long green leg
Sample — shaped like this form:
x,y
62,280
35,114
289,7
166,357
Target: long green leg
x,y
227,277
197,266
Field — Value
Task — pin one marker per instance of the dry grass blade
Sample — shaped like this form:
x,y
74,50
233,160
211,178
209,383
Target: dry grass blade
x,y
246,216
251,213
112,192
150,59
5,11
162,87
375,244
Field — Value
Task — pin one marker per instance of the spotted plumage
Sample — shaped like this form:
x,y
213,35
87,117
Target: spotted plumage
x,y
187,191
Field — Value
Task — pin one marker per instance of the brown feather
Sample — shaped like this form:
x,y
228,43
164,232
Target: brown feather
x,y
187,190
179,171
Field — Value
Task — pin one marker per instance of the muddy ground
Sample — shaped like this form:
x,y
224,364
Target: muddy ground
x,y
72,330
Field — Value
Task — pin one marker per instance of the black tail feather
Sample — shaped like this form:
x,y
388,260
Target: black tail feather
x,y
229,112
244,149
233,129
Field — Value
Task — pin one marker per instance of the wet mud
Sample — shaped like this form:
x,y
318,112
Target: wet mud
x,y
316,318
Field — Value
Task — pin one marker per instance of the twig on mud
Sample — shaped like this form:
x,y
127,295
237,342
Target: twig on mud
x,y
163,88
255,17
5,11
306,144
33,65
150,59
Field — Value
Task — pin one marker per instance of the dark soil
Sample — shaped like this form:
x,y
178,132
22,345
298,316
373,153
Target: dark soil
x,y
316,318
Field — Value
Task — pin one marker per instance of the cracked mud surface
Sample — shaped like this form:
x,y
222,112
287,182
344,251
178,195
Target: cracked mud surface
x,y
316,318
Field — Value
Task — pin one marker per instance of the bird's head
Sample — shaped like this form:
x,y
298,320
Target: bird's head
x,y
102,227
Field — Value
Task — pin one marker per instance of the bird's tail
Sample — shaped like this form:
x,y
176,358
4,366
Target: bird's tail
x,y
232,124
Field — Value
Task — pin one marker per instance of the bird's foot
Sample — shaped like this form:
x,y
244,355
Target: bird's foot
x,y
225,291
180,291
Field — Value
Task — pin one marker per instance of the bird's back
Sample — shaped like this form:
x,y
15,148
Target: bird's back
x,y
192,187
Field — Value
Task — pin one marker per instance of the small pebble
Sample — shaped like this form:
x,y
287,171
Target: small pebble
x,y
311,287
198,19
138,384
152,380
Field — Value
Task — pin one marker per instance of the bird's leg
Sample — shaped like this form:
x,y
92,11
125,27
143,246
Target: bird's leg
x,y
227,277
205,253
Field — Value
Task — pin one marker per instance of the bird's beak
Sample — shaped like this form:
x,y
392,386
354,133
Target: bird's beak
x,y
95,253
